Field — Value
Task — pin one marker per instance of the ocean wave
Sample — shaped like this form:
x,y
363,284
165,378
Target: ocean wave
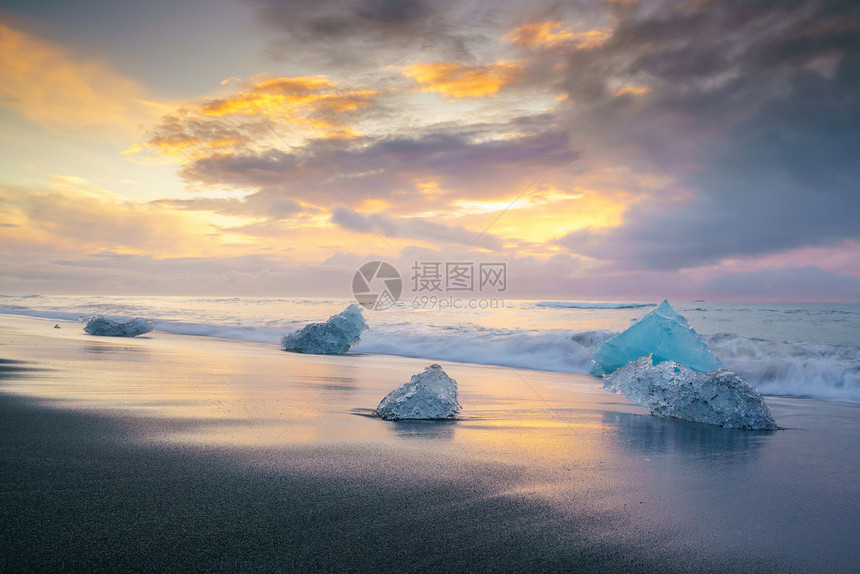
x,y
590,305
788,368
20,296
792,368
28,312
268,333
549,350
256,334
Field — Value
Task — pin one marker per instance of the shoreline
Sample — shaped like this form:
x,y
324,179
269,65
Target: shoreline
x,y
185,453
766,347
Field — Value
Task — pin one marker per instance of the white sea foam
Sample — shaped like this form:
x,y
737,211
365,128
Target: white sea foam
x,y
257,334
552,350
792,368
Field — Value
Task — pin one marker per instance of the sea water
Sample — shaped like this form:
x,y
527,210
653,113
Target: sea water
x,y
794,349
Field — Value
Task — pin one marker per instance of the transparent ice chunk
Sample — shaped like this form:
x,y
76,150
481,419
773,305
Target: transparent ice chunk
x,y
662,333
428,395
334,337
107,328
669,389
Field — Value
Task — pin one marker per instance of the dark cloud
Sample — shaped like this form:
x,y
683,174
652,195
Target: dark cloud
x,y
389,168
752,108
342,34
265,169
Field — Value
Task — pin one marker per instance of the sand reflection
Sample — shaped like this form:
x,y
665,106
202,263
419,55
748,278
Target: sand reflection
x,y
650,435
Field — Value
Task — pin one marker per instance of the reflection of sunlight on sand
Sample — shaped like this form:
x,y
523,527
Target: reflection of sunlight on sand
x,y
608,468
537,439
245,394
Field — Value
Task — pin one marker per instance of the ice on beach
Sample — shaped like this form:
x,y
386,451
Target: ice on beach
x,y
662,333
334,337
670,389
108,328
429,395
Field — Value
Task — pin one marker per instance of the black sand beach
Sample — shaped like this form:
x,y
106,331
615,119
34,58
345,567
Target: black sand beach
x,y
185,454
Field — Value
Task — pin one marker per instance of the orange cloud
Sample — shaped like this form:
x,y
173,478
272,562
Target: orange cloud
x,y
184,135
40,81
71,215
631,91
548,212
290,98
455,80
311,106
542,35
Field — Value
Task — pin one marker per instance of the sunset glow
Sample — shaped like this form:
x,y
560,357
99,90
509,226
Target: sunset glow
x,y
662,151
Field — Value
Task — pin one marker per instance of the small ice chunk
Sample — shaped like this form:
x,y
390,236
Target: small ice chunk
x,y
429,395
107,328
334,337
669,389
663,333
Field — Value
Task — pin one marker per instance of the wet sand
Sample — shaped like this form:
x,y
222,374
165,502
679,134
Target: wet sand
x,y
189,454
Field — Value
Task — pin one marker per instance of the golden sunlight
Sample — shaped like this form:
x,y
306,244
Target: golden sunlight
x,y
551,35
41,81
455,80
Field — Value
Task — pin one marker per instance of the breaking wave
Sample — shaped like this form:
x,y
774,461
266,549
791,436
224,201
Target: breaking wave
x,y
792,368
549,350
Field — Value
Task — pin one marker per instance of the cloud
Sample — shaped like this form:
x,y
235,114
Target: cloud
x,y
69,218
553,34
747,107
269,204
412,228
346,35
73,216
109,272
265,111
455,80
392,169
184,135
314,100
42,81
637,146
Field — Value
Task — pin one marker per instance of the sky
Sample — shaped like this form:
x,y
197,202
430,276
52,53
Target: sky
x,y
601,149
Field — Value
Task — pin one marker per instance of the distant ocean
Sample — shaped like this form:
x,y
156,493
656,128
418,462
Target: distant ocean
x,y
795,349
